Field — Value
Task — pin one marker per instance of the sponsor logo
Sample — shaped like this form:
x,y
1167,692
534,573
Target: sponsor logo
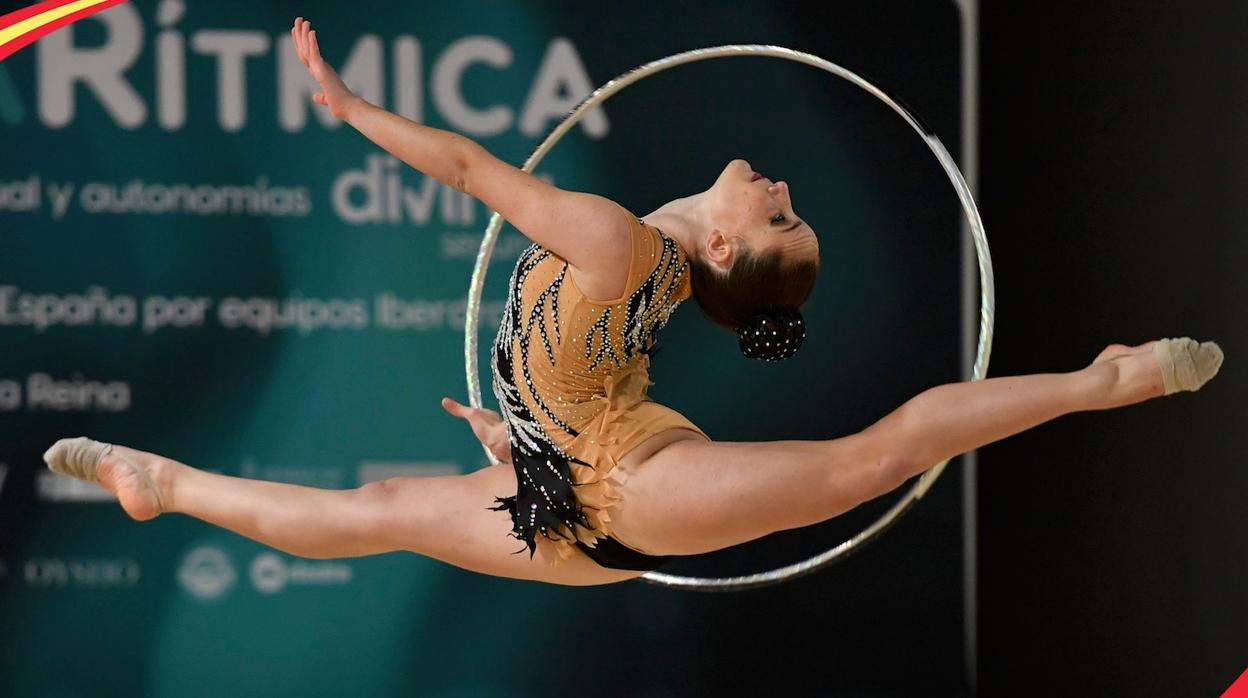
x,y
54,487
374,471
309,476
206,573
270,573
91,573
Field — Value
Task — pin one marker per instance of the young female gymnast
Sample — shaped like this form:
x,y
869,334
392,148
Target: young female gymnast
x,y
599,482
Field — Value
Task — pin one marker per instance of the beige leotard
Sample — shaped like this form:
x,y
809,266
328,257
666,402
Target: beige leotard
x,y
571,374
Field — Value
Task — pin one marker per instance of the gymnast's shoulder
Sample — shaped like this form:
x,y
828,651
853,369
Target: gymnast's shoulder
x,y
593,233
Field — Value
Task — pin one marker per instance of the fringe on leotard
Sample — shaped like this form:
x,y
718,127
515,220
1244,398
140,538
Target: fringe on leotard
x,y
544,502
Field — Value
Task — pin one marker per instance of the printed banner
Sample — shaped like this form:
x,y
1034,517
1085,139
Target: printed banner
x,y
198,261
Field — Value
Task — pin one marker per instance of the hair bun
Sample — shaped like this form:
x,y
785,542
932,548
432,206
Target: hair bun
x,y
772,336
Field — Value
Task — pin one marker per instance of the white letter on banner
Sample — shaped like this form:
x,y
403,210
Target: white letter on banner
x,y
170,67
369,181
407,84
61,66
447,92
231,49
561,84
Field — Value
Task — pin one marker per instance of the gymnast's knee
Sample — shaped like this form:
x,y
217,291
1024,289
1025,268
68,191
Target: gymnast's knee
x,y
378,491
414,504
375,504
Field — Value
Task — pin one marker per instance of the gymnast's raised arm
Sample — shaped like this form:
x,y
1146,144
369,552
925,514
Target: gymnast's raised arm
x,y
589,231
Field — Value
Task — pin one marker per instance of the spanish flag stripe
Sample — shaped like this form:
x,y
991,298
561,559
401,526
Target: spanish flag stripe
x,y
18,15
23,27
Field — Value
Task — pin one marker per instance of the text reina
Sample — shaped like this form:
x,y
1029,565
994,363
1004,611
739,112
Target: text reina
x,y
558,86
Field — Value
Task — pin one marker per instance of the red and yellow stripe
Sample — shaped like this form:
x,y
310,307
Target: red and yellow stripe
x,y
23,27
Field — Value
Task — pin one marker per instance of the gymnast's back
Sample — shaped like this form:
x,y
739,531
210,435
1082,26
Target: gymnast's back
x,y
570,376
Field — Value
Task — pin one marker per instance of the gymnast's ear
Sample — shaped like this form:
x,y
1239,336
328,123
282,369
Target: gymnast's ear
x,y
718,249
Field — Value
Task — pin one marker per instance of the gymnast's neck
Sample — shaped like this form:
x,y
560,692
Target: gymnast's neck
x,y
685,221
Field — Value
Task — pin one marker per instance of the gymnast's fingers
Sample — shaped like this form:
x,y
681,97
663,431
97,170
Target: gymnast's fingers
x,y
294,37
301,31
303,40
484,423
454,408
472,414
314,49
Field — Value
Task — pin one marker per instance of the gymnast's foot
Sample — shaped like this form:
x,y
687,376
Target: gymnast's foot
x,y
1159,368
140,481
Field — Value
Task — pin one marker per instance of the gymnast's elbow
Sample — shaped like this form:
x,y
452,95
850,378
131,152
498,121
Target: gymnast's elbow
x,y
469,158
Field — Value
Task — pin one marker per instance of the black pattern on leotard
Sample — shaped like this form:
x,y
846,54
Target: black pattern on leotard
x,y
545,502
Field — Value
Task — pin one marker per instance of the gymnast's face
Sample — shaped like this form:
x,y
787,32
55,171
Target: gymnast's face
x,y
745,207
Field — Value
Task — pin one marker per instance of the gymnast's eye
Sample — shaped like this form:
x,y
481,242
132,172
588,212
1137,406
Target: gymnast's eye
x,y
778,218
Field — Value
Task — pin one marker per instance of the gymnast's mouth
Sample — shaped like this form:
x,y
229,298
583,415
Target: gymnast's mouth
x,y
755,177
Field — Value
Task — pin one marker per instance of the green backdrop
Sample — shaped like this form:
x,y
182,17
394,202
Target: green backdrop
x,y
194,262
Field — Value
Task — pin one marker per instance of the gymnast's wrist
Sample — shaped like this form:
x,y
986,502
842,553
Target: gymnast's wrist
x,y
355,106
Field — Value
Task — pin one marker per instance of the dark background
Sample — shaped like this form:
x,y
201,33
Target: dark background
x,y
1114,545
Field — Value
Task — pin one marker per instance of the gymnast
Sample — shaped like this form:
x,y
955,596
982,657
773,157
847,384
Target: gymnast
x,y
598,482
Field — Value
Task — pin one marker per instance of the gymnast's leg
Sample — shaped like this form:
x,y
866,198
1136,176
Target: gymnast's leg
x,y
445,518
695,496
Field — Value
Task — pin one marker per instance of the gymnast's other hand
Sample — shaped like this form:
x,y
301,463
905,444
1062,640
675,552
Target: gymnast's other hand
x,y
334,93
488,426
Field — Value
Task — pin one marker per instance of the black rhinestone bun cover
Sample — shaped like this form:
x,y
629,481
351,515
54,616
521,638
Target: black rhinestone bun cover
x,y
772,336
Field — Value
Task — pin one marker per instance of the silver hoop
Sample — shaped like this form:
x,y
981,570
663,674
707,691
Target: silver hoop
x,y
987,297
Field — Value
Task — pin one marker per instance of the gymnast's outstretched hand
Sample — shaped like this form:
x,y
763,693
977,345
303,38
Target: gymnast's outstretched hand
x,y
334,93
486,424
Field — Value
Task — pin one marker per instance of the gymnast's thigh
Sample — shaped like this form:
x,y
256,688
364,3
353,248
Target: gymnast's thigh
x,y
692,495
449,519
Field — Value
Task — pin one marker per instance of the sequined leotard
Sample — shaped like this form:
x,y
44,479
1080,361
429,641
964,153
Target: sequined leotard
x,y
570,376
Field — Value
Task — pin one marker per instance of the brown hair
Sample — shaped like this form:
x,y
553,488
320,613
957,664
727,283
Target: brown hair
x,y
755,284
